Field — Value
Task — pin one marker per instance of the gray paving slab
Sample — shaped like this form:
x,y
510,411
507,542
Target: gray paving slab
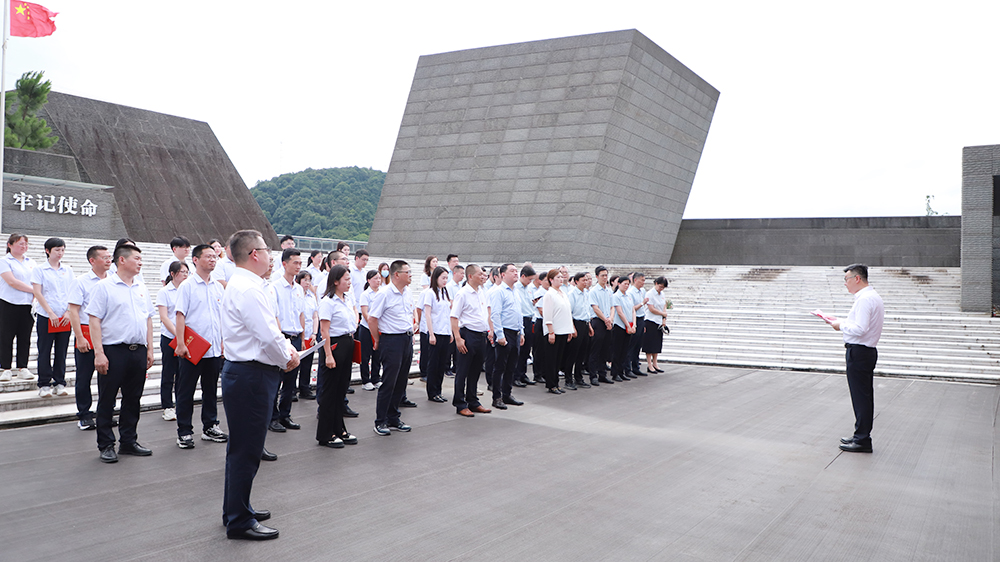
x,y
702,463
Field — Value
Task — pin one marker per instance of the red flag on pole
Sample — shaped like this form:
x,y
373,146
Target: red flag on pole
x,y
31,20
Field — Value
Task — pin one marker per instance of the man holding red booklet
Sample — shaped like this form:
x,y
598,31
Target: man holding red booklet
x,y
199,346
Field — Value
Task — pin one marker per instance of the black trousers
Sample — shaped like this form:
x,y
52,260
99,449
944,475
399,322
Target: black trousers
x,y
84,376
397,356
438,356
15,322
468,367
425,344
168,372
573,347
635,344
283,406
555,353
248,394
525,352
538,367
51,368
305,371
369,356
505,364
620,340
188,376
600,346
334,388
126,373
860,380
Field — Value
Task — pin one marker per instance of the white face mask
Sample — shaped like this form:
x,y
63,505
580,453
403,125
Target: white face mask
x,y
385,273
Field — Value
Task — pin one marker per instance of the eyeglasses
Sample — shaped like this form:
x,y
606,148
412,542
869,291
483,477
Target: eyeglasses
x,y
250,253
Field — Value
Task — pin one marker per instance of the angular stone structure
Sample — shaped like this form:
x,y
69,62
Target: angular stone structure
x,y
578,149
980,227
170,174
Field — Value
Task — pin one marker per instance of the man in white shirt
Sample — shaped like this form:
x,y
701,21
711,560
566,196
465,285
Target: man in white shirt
x,y
390,318
358,280
473,331
861,331
256,354
199,310
224,266
100,262
287,242
121,329
292,322
181,247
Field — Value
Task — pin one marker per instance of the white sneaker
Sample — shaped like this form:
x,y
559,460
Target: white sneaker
x,y
368,386
25,375
378,384
61,390
6,375
169,414
45,392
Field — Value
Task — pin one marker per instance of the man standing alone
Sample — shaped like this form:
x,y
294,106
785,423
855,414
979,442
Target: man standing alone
x,y
861,330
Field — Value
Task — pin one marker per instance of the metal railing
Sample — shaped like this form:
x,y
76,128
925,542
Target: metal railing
x,y
325,244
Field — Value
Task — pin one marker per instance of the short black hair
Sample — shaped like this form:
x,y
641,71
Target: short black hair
x,y
52,243
599,269
125,250
288,253
396,266
527,271
361,253
92,252
448,259
661,280
179,242
286,238
859,269
579,276
213,241
197,250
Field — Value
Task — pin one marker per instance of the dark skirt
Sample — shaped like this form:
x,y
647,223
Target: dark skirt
x,y
652,338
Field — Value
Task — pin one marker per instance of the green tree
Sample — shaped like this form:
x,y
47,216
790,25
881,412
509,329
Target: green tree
x,y
23,128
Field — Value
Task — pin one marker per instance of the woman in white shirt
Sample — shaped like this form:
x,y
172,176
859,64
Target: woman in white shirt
x,y
435,326
51,283
371,359
430,264
623,311
310,311
166,299
558,320
656,316
337,320
16,295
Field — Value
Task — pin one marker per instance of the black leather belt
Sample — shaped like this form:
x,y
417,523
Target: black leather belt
x,y
291,336
130,346
850,345
257,365
408,333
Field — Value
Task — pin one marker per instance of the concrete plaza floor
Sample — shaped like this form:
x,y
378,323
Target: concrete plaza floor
x,y
701,463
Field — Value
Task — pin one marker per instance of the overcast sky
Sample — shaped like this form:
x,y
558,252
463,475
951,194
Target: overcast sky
x,y
826,109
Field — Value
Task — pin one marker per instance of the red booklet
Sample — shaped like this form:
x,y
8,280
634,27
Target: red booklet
x,y
85,328
53,329
197,345
357,351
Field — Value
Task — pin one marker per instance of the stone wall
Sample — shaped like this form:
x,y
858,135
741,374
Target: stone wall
x,y
979,166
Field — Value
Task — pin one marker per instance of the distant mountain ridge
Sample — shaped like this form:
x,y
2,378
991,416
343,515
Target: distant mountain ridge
x,y
327,203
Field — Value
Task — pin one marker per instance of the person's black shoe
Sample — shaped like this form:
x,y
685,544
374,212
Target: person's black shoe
x,y
553,390
529,382
593,382
349,413
256,533
855,447
307,396
570,385
407,403
350,390
262,515
108,454
439,399
398,426
605,380
519,384
846,440
489,388
133,449
295,398
582,384
499,405
276,427
289,424
512,401
617,378
266,455
639,373
423,379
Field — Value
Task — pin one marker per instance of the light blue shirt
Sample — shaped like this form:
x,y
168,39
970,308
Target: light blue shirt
x,y
601,298
201,305
122,309
625,302
638,295
524,298
504,310
56,284
80,293
289,305
580,305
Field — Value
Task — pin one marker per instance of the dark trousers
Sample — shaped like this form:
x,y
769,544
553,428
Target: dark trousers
x,y
127,373
369,356
437,361
84,376
600,345
248,395
335,382
468,367
489,361
397,356
505,364
188,375
620,340
860,380
555,352
15,321
425,344
51,369
525,351
168,372
578,350
635,344
538,352
283,406
305,373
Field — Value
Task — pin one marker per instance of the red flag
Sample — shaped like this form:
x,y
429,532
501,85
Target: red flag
x,y
31,20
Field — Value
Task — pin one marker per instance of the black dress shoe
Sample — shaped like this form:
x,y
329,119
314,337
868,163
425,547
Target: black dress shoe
x,y
855,447
295,398
276,427
570,385
499,405
266,455
639,373
593,382
350,390
512,401
349,413
256,533
846,440
651,372
554,390
529,382
407,403
439,399
519,384
582,384
133,449
617,378
262,515
659,370
307,396
289,424
606,380
108,454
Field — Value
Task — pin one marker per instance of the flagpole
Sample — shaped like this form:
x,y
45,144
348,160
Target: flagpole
x,y
3,100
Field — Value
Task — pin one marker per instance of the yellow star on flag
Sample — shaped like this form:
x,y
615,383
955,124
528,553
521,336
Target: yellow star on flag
x,y
20,9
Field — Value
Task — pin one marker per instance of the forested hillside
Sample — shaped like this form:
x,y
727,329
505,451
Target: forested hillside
x,y
328,203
